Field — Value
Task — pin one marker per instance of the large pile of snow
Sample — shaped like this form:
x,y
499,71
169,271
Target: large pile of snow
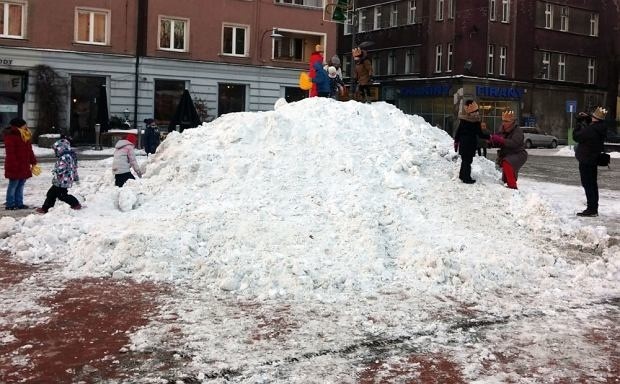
x,y
315,198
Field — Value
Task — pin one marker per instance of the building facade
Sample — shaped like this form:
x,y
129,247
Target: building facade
x,y
543,59
232,55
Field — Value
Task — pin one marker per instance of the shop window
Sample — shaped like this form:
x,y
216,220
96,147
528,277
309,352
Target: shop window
x,y
235,41
564,19
492,9
505,11
549,16
92,26
167,96
12,19
491,59
591,70
594,24
173,34
231,98
439,14
438,55
412,12
503,52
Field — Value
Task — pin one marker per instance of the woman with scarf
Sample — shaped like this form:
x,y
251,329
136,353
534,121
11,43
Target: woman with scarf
x,y
466,139
18,162
511,154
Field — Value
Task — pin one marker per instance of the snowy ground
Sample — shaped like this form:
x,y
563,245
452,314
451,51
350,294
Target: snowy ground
x,y
333,242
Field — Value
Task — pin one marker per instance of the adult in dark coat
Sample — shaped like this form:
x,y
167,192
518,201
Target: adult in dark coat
x,y
512,154
590,137
18,161
151,136
466,139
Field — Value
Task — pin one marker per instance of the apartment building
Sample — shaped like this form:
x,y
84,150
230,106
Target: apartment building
x,y
232,55
542,59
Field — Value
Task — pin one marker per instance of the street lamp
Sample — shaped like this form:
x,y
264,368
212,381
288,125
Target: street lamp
x,y
275,34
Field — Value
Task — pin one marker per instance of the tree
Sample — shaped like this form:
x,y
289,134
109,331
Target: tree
x,y
49,91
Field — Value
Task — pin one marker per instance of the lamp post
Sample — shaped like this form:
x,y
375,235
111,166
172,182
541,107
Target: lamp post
x,y
275,34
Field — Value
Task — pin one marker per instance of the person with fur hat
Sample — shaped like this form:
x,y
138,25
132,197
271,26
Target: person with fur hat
x,y
64,174
125,160
336,85
466,138
362,74
590,136
315,57
19,162
511,154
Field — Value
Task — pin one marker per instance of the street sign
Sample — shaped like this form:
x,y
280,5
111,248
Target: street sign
x,y
571,106
338,11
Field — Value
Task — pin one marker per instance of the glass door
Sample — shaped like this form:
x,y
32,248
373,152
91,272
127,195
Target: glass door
x,y
84,105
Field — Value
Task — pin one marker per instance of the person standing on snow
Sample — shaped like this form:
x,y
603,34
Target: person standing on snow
x,y
19,162
321,80
511,154
315,57
125,160
466,139
65,173
151,136
363,73
336,85
590,136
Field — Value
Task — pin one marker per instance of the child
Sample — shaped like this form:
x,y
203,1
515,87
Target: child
x,y
125,160
65,173
336,84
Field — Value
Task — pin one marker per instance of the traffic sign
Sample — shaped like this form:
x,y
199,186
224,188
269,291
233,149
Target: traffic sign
x,y
571,106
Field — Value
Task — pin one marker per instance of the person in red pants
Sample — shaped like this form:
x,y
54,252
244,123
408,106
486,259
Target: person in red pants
x,y
511,154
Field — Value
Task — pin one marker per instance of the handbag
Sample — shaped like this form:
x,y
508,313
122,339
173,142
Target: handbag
x,y
603,159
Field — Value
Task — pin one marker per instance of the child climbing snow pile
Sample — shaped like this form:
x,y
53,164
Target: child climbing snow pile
x,y
64,174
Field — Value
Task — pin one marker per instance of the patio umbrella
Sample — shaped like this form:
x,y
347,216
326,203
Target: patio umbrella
x,y
185,116
103,116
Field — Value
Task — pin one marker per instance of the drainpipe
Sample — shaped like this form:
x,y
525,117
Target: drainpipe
x,y
141,36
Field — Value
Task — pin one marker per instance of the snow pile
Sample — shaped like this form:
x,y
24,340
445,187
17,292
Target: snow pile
x,y
315,198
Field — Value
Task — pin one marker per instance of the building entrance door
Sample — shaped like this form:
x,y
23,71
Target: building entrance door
x,y
84,93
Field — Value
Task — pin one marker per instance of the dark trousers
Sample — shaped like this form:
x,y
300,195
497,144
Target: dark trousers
x,y
364,92
119,180
61,194
589,174
465,172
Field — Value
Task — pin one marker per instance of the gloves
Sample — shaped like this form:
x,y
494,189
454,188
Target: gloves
x,y
35,169
497,140
456,146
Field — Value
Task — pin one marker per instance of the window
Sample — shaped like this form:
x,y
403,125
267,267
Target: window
x,y
503,51
234,42
231,98
546,61
491,59
91,26
439,14
303,3
167,96
549,16
347,26
391,69
12,20
438,55
394,16
564,19
377,21
410,61
173,34
450,63
591,70
594,24
376,69
289,48
361,20
562,67
492,9
451,4
505,11
411,14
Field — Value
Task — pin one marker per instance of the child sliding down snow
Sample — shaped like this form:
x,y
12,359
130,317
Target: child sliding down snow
x,y
65,173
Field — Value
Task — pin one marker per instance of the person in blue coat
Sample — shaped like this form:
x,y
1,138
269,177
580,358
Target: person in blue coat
x,y
322,81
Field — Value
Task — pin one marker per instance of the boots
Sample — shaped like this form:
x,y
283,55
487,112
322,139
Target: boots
x,y
588,213
509,175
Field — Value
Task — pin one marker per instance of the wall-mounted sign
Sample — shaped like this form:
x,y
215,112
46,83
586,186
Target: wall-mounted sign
x,y
6,61
10,83
426,91
499,92
8,108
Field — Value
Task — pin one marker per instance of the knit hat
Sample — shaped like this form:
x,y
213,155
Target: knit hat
x,y
599,113
17,122
332,72
471,107
133,139
318,48
335,60
149,121
508,116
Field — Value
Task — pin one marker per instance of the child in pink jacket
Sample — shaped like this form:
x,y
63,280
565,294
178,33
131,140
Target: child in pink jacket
x,y
125,160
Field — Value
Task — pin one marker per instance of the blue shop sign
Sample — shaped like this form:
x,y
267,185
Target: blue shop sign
x,y
499,92
428,90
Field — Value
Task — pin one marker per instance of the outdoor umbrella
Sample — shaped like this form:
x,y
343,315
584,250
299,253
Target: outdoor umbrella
x,y
103,117
185,116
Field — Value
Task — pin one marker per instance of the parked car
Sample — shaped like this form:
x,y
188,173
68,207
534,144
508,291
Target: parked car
x,y
533,137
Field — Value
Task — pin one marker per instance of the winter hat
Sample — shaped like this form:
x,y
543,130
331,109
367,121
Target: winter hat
x,y
508,116
148,121
133,139
318,48
599,113
61,146
335,60
17,122
332,72
471,106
